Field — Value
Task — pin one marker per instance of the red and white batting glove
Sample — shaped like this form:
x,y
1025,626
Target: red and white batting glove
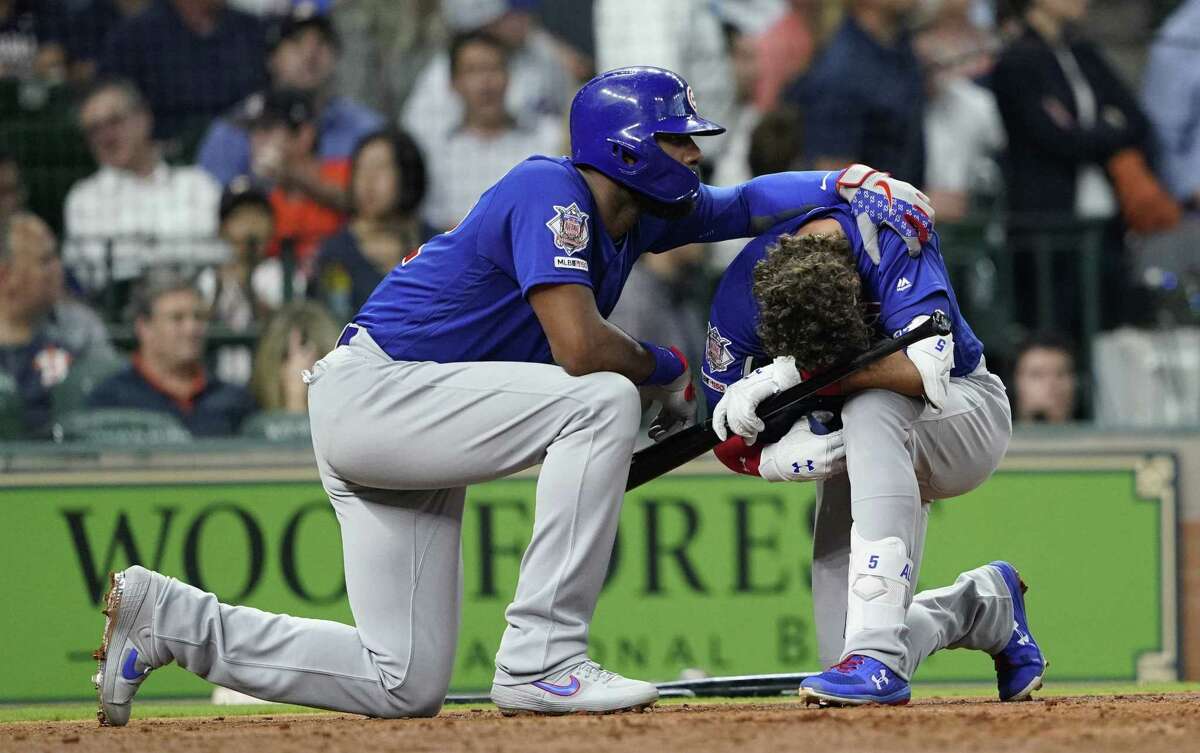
x,y
876,198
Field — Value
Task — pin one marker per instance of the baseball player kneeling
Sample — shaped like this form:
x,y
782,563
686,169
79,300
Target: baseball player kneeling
x,y
484,352
927,424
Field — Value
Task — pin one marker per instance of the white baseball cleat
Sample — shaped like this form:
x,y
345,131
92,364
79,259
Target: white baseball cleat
x,y
583,688
126,651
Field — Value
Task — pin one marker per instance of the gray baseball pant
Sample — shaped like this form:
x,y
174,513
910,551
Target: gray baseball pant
x,y
396,444
899,457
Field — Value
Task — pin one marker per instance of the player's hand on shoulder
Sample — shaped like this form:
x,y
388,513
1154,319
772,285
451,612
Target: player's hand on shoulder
x,y
803,455
676,399
737,411
876,198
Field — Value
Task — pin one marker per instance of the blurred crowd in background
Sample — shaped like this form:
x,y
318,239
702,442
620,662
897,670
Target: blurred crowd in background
x,y
195,195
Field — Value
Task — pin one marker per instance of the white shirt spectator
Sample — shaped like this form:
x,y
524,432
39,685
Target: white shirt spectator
x,y
963,130
169,217
683,36
538,85
464,164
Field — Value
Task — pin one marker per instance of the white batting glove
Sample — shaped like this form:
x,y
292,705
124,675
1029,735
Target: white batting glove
x,y
738,407
876,199
677,402
934,358
801,455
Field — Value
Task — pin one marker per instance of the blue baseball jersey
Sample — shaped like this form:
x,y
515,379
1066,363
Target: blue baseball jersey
x,y
902,287
462,295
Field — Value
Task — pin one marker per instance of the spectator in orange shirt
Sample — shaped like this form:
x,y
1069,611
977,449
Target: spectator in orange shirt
x,y
307,193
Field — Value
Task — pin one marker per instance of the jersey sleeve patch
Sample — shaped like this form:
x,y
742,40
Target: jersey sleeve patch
x,y
569,226
570,262
716,350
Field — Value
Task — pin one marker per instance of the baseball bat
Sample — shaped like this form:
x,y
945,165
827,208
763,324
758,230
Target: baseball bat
x,y
691,443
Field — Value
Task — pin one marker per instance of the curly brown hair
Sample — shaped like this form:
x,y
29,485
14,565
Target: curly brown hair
x,y
810,301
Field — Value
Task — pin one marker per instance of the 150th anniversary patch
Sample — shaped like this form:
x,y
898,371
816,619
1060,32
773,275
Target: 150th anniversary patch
x,y
570,227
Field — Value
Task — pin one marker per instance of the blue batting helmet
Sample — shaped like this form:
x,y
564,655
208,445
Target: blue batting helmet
x,y
614,119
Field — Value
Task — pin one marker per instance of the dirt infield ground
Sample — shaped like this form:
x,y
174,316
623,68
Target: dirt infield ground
x,y
1093,724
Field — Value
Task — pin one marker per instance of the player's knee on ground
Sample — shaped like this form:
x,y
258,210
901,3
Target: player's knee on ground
x,y
612,399
414,699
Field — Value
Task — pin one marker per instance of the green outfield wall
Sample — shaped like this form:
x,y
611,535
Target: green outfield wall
x,y
710,569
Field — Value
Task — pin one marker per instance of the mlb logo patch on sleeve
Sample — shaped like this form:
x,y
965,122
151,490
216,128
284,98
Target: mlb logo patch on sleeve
x,y
570,262
570,228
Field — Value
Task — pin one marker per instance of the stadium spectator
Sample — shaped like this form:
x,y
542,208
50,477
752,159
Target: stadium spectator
x,y
42,333
168,374
387,184
1044,381
135,211
777,143
299,334
465,161
863,99
386,44
31,40
733,166
1172,98
192,59
785,50
539,84
683,36
12,188
308,193
90,25
304,54
963,130
242,292
1076,150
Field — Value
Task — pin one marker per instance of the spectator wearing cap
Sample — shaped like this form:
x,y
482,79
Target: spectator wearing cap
x,y
192,59
41,332
304,54
135,211
539,84
307,193
387,184
465,161
167,374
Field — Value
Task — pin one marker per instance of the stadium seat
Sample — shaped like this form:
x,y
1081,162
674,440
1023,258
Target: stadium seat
x,y
122,427
276,426
71,394
11,411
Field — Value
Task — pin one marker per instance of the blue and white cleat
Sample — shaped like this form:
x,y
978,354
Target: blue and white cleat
x,y
857,681
1021,665
124,655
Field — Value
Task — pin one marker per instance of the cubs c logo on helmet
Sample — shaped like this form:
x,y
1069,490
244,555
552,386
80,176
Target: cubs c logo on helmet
x,y
691,98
